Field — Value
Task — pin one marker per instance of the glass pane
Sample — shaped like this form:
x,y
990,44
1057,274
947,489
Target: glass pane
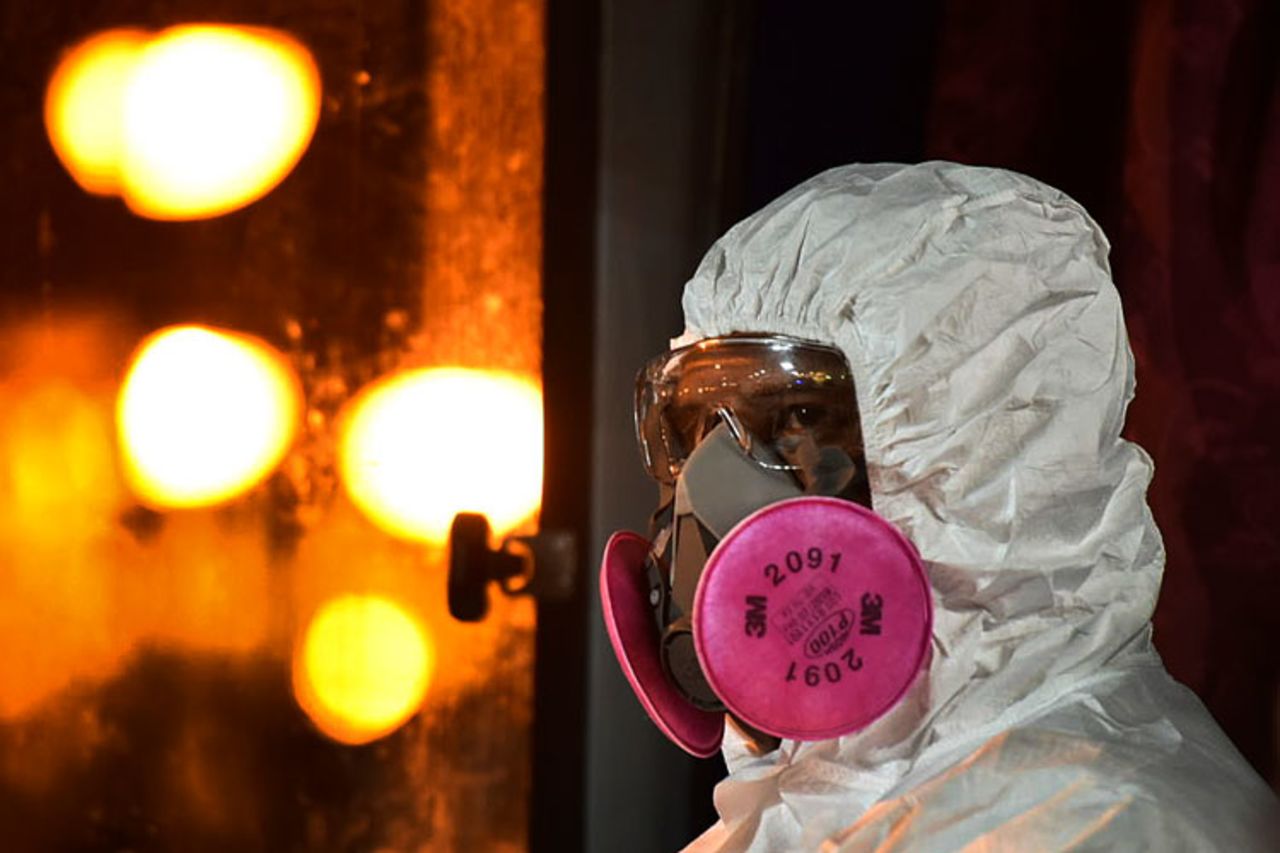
x,y
227,446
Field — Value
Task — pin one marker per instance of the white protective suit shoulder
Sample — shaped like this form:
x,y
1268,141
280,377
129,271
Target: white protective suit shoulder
x,y
993,372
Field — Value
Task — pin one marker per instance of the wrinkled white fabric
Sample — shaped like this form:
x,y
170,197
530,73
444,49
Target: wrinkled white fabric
x,y
993,372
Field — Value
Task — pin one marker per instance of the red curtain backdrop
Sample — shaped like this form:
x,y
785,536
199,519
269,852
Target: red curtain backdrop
x,y
1163,118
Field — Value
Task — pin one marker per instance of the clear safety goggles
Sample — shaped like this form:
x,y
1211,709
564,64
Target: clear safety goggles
x,y
794,396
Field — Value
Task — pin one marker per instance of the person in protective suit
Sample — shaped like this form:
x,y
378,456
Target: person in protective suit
x,y
988,354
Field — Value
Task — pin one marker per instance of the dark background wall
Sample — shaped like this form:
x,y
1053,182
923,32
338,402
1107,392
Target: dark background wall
x,y
1162,117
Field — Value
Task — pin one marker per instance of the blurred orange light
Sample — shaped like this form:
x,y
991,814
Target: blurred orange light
x,y
84,107
214,118
57,468
424,445
362,668
197,121
204,415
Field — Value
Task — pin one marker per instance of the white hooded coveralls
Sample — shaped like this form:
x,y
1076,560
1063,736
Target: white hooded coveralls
x,y
993,371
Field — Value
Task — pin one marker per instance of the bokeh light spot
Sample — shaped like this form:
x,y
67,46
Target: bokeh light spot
x,y
362,668
84,107
195,121
421,446
214,118
204,415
